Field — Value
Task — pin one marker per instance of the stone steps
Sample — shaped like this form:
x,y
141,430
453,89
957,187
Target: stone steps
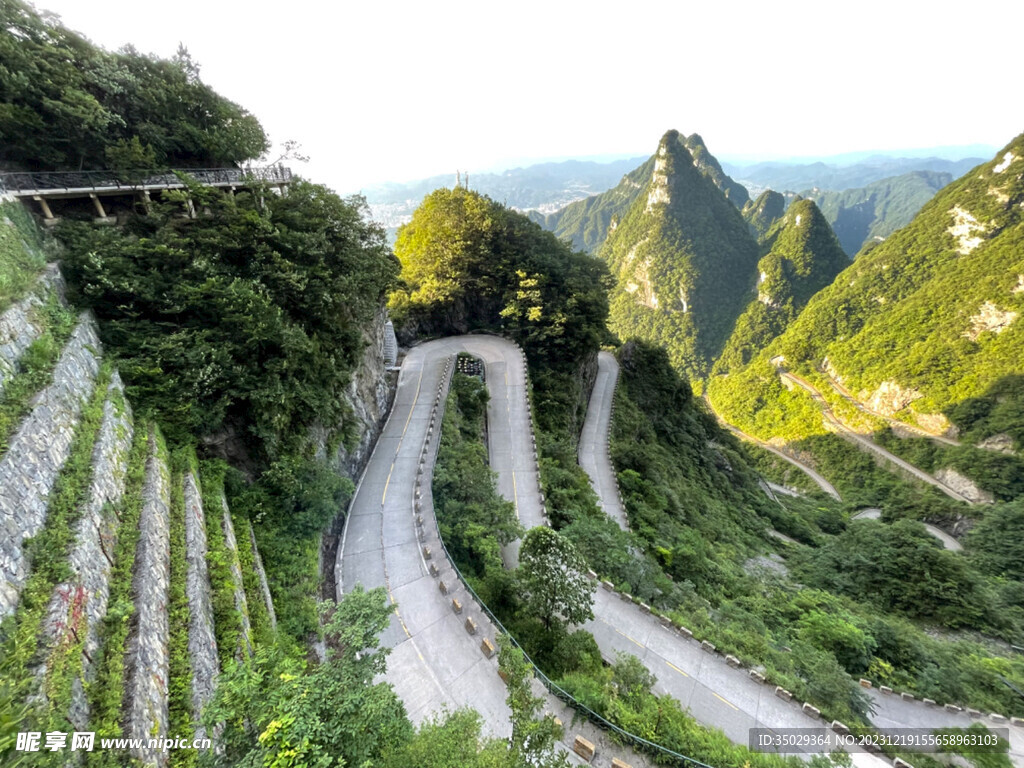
x,y
36,453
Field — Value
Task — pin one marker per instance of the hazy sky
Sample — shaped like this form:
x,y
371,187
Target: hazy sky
x,y
392,91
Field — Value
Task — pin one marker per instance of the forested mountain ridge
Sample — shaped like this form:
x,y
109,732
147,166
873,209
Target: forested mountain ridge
x,y
803,257
872,213
684,262
587,223
762,213
925,325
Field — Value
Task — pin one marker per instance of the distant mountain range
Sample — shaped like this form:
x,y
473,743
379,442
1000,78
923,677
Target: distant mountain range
x,y
544,187
793,177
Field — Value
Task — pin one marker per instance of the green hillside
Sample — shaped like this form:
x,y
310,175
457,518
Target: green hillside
x,y
924,326
803,257
587,223
761,213
874,212
684,262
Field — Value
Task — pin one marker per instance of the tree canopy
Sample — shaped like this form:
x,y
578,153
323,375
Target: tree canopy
x,y
66,104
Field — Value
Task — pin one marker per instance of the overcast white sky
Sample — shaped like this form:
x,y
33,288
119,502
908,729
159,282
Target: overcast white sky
x,y
392,91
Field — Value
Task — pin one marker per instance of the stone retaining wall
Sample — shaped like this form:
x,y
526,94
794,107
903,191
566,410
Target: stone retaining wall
x,y
264,586
19,325
80,605
147,661
241,604
202,643
37,452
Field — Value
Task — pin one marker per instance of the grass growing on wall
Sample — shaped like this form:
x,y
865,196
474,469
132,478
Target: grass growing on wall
x,y
179,684
35,368
227,617
259,617
21,258
106,691
48,552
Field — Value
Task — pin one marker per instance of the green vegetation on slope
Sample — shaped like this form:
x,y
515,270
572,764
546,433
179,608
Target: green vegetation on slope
x,y
874,212
118,107
469,263
926,321
246,323
803,257
762,213
819,630
21,257
684,262
587,223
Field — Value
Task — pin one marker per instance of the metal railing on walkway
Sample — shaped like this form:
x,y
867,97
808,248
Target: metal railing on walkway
x,y
41,183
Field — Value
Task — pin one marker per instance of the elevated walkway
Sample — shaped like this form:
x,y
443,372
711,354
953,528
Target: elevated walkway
x,y
66,185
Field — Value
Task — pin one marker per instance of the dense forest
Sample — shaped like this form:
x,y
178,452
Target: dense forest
x,y
66,104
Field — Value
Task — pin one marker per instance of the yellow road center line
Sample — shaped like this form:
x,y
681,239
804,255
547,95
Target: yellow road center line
x,y
628,637
677,669
726,701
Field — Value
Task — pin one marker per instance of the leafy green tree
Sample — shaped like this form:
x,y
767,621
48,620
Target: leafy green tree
x,y
553,577
533,739
246,324
470,263
278,711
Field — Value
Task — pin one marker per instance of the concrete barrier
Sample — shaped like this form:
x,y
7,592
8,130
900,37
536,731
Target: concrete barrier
x,y
973,712
811,710
732,661
665,621
907,696
685,632
783,694
583,748
442,587
885,689
840,728
898,763
996,717
427,554
616,763
929,702
470,625
706,646
756,676
645,608
433,571
456,605
865,683
1018,721
608,586
953,708
487,648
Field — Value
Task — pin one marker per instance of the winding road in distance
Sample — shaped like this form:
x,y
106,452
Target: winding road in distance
x,y
824,484
435,662
716,693
858,438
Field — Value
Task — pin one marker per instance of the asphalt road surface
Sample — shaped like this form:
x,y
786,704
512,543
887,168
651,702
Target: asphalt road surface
x,y
435,662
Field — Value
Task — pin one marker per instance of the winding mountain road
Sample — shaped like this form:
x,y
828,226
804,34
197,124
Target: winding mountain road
x,y
865,442
593,454
718,694
436,663
824,484
896,424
